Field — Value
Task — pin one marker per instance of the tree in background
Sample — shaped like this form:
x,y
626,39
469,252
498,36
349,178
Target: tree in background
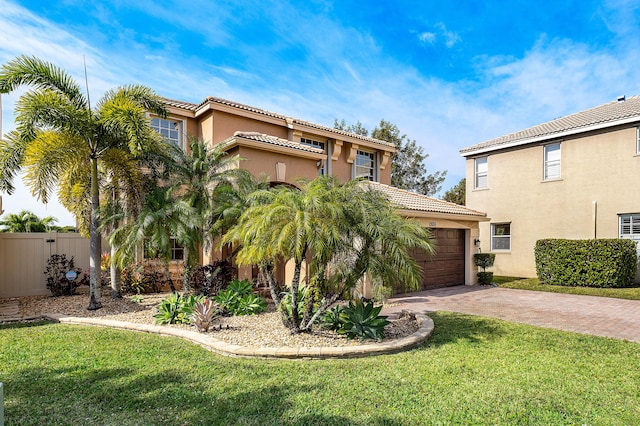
x,y
26,221
62,142
407,165
457,193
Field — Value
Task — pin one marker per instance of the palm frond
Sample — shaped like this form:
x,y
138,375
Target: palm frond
x,y
12,149
32,71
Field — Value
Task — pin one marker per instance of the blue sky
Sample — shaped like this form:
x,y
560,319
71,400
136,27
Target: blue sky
x,y
449,74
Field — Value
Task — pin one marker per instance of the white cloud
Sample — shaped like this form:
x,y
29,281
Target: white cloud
x,y
427,37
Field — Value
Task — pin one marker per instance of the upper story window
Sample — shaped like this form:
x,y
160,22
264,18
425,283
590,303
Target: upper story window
x,y
638,140
481,172
169,128
552,161
315,144
311,142
500,236
365,165
630,225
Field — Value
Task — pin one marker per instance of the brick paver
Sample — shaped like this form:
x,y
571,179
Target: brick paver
x,y
599,316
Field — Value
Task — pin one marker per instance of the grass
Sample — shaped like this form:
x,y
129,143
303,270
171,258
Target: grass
x,y
473,370
631,293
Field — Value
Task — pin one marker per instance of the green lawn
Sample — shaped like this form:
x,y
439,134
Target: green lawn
x,y
473,370
632,293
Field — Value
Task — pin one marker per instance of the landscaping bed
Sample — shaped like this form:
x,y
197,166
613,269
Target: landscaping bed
x,y
262,330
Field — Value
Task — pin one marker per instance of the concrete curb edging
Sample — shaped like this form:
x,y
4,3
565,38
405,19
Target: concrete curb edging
x,y
227,349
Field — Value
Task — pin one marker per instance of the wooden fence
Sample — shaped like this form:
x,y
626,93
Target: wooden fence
x,y
23,259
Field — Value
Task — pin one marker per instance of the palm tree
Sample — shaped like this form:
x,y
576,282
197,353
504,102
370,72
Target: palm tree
x,y
345,230
26,221
161,220
61,140
193,177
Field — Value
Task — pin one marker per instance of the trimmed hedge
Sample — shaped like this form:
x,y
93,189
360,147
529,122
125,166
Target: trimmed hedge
x,y
586,263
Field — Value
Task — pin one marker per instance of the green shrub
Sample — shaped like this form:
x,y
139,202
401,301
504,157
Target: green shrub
x,y
485,278
362,320
484,260
586,263
285,302
238,299
176,309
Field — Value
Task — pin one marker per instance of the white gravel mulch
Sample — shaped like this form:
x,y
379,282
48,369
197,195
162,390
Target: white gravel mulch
x,y
263,330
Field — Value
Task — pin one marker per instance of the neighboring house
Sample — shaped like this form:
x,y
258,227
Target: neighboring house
x,y
573,177
287,149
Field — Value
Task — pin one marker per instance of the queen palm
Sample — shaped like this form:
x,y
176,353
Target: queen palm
x,y
193,177
60,139
345,230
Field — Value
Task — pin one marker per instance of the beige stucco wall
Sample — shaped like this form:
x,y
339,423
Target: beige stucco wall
x,y
598,169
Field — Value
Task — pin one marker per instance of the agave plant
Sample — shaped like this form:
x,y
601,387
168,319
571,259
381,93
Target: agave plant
x,y
362,320
204,312
176,309
331,319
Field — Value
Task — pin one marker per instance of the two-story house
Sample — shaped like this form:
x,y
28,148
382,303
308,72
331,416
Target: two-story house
x,y
571,177
286,149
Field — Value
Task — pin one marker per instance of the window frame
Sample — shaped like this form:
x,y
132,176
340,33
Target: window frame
x,y
506,237
372,174
478,174
175,249
180,131
320,145
638,140
634,222
547,164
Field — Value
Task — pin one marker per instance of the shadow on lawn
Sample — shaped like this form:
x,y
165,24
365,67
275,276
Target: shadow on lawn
x,y
451,327
124,396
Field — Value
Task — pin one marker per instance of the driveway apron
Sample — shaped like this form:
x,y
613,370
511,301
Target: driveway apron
x,y
599,316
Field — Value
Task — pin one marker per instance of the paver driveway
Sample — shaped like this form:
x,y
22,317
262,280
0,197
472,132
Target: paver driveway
x,y
600,316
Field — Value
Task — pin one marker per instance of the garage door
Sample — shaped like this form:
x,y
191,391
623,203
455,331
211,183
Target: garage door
x,y
446,267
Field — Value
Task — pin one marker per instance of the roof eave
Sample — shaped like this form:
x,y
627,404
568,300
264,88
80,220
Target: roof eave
x,y
266,146
479,217
543,138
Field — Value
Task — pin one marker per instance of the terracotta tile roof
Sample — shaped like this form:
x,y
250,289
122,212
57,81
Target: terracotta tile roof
x,y
194,107
343,133
179,104
412,201
273,140
608,115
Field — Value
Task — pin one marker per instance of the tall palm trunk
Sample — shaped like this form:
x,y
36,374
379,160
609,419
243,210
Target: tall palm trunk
x,y
116,285
295,288
95,242
266,270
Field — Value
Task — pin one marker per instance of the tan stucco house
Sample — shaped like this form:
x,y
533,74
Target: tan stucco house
x,y
572,177
286,149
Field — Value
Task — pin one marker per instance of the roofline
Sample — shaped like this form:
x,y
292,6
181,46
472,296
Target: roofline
x,y
292,123
550,136
480,217
234,141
